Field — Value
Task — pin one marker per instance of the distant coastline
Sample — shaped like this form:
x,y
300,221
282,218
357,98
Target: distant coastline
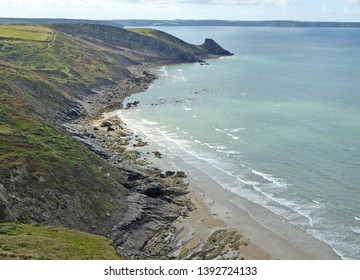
x,y
179,22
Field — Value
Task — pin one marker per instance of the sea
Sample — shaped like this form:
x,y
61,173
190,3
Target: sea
x,y
277,125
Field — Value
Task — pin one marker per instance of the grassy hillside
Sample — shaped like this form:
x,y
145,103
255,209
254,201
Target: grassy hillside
x,y
65,59
140,46
46,176
34,242
26,33
170,40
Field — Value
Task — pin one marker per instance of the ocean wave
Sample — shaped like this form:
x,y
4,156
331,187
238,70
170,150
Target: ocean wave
x,y
248,183
290,205
228,152
270,178
213,162
178,78
356,230
215,146
163,71
221,149
149,122
187,108
357,218
228,134
237,129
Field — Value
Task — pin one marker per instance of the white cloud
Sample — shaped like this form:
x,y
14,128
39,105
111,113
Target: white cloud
x,y
251,2
339,10
348,10
326,10
219,2
109,3
352,1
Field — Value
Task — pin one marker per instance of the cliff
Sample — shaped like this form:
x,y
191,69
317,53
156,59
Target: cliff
x,y
47,176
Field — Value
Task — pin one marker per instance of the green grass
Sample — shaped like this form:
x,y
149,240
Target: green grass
x,y
55,243
60,160
26,33
176,44
54,163
60,57
143,31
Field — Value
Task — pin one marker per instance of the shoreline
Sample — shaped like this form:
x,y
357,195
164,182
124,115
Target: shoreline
x,y
205,216
214,201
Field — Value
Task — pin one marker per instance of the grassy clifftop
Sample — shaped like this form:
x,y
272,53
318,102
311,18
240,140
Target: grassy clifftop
x,y
61,57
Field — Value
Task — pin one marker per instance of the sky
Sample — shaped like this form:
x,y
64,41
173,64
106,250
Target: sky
x,y
307,10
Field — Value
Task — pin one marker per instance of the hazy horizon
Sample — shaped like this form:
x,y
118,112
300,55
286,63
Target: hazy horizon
x,y
176,19
235,10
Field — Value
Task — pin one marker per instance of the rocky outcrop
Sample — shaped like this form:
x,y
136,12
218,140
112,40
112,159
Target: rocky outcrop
x,y
6,214
214,48
146,230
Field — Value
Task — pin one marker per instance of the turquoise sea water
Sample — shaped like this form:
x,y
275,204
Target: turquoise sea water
x,y
277,124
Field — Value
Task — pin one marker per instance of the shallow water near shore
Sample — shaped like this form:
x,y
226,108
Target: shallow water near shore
x,y
277,126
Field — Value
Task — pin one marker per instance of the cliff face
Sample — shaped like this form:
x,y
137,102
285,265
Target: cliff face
x,y
46,176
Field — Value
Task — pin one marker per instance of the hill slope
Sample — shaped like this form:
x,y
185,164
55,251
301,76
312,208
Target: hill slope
x,y
46,176
34,242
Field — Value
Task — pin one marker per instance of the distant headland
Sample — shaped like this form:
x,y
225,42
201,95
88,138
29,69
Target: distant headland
x,y
180,22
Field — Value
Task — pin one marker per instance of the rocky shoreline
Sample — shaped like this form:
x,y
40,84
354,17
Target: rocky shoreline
x,y
156,199
159,199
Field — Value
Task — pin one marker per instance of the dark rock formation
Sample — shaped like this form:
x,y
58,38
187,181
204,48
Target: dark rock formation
x,y
146,231
214,48
155,190
106,124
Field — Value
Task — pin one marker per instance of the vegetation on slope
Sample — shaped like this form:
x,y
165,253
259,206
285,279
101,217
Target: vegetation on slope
x,y
27,33
159,47
46,176
35,242
65,59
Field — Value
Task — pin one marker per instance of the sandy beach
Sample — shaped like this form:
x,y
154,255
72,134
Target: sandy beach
x,y
214,212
